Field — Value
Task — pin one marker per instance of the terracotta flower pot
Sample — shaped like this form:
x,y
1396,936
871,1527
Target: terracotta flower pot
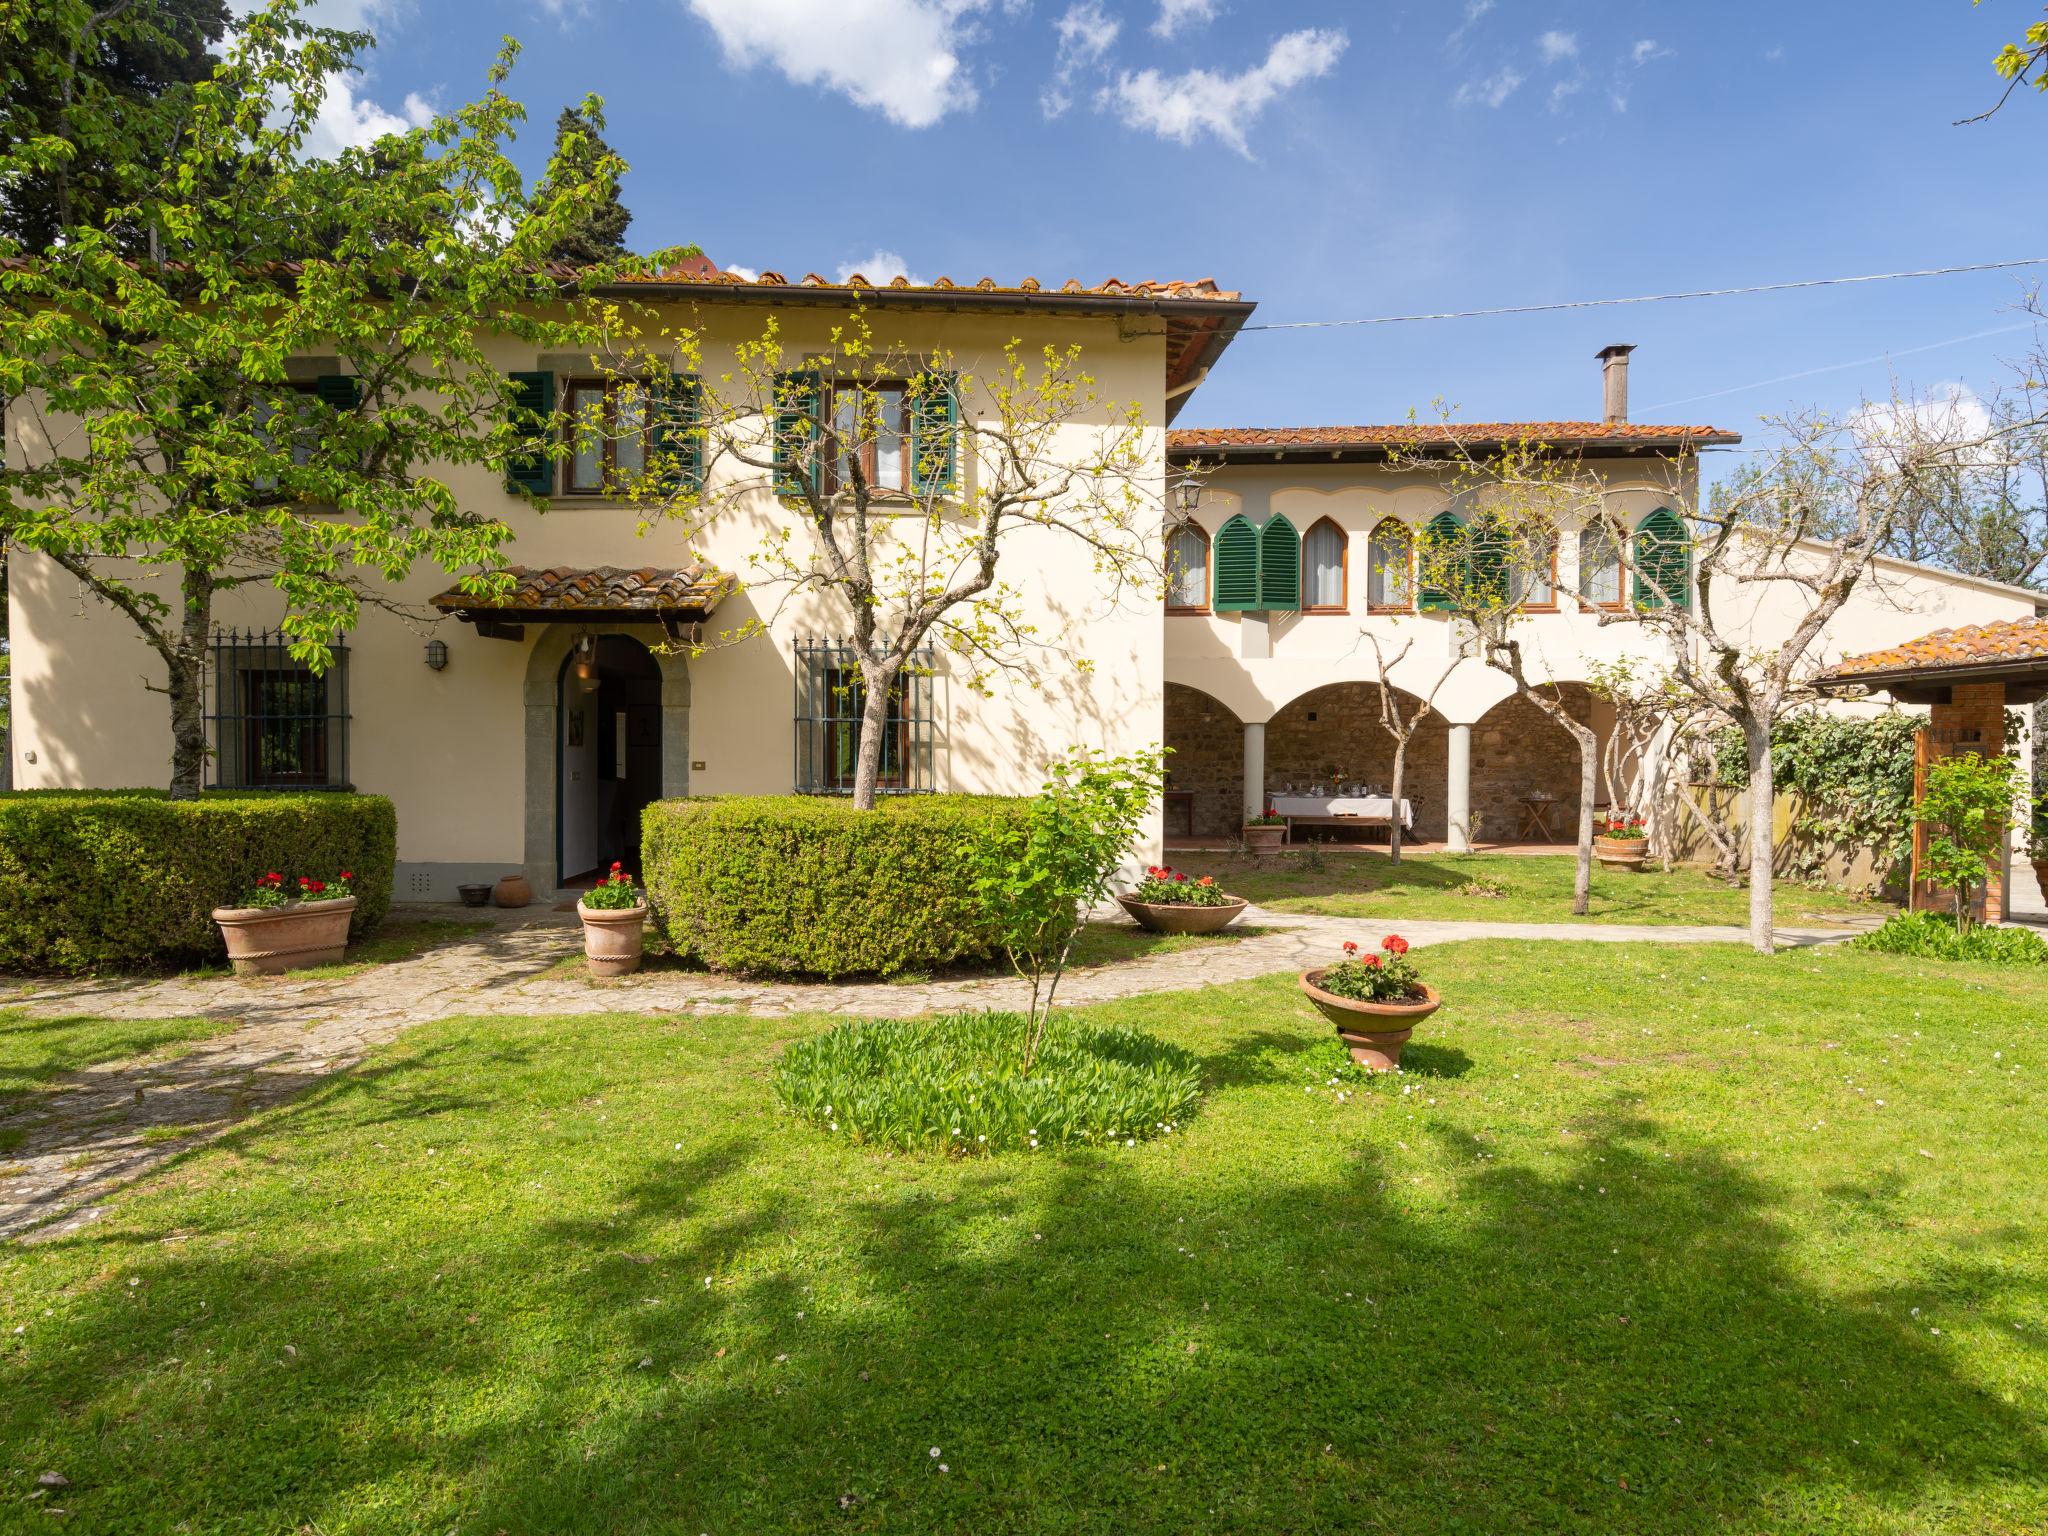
x,y
2040,874
1621,852
1264,839
511,891
1375,1032
612,939
262,941
1182,916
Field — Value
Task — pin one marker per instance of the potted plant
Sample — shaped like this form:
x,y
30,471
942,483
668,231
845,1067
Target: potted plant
x,y
280,928
1167,901
1622,843
1375,1000
1262,834
614,924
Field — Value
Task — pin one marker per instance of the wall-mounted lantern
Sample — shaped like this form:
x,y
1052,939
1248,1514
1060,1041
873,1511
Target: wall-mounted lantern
x,y
437,654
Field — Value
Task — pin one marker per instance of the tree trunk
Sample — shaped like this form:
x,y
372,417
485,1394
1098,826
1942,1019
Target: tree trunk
x,y
1762,851
1589,780
186,665
1394,811
878,679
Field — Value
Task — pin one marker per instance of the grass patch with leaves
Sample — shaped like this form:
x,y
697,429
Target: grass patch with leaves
x,y
37,1053
1499,888
955,1085
1935,936
1683,1240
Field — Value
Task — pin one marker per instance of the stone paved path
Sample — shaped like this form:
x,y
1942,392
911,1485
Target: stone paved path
x,y
92,1134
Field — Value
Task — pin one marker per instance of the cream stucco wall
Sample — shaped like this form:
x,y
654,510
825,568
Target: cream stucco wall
x,y
450,747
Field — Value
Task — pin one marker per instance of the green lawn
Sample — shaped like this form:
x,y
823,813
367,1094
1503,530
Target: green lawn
x,y
37,1052
1532,889
1654,1240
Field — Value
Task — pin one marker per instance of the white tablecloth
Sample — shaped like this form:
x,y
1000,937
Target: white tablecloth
x,y
1373,807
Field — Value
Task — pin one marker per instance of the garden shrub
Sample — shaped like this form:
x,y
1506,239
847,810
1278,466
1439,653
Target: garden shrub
x,y
126,880
1935,936
1855,776
792,885
956,1085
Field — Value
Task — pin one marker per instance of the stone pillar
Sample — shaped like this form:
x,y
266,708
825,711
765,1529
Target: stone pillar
x,y
1458,791
1254,769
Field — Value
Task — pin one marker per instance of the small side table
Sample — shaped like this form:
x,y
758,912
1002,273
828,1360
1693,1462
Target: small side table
x,y
1536,811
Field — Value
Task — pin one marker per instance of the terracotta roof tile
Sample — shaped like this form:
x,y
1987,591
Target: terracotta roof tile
x,y
598,589
1426,434
1972,645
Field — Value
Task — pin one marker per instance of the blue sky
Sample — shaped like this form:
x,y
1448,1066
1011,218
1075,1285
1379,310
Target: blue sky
x,y
1334,161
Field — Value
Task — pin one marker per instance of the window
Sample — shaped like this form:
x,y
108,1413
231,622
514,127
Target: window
x,y
276,723
1599,567
1390,555
870,431
293,415
1187,570
1326,561
1279,566
830,699
899,435
1536,587
607,426
1663,561
1445,534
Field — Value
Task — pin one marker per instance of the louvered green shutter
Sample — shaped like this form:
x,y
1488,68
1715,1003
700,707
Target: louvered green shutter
x,y
1237,567
1439,531
533,394
1486,563
341,391
1663,561
1279,566
935,434
674,435
799,396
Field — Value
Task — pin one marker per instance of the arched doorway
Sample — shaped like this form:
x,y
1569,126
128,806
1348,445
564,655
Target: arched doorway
x,y
1520,754
608,754
1333,734
1204,769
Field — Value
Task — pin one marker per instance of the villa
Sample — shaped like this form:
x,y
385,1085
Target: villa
x,y
527,734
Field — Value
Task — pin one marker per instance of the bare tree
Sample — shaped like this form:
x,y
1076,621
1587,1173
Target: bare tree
x,y
907,477
1401,724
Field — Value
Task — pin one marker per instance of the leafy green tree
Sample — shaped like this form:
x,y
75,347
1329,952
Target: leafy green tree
x,y
165,449
583,158
2016,64
1966,806
84,85
1042,882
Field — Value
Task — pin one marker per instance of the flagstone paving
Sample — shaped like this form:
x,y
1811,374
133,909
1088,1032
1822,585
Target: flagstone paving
x,y
107,1125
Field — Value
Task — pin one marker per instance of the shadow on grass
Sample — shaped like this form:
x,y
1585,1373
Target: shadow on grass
x,y
1090,1345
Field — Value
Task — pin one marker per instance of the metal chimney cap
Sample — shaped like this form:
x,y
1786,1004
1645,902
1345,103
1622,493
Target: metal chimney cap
x,y
1617,349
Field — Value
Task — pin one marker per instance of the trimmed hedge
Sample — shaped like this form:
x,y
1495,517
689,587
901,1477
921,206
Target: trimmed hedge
x,y
789,885
126,879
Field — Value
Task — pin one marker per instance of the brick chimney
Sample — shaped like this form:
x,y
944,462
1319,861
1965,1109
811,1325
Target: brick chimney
x,y
1614,382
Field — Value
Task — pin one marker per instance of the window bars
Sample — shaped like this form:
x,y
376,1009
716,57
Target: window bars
x,y
830,700
274,722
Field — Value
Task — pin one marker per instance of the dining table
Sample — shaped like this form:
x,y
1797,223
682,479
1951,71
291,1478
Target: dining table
x,y
1372,810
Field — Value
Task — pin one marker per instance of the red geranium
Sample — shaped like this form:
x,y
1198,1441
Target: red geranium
x,y
1394,944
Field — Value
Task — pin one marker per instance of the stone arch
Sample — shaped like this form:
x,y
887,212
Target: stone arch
x,y
542,698
1337,725
1207,760
1518,750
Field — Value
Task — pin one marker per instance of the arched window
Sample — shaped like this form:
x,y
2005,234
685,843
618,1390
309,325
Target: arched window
x,y
1279,566
1663,561
1535,585
1599,567
1187,570
1237,567
1326,565
1390,567
1443,534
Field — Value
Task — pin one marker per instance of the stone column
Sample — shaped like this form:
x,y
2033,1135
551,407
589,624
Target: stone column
x,y
1458,791
1254,769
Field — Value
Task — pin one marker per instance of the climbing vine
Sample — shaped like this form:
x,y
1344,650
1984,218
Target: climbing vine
x,y
1855,777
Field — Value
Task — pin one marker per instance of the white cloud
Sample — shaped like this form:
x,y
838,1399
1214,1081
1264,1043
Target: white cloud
x,y
1647,49
1085,36
900,58
350,121
1947,415
1774,55
1474,12
1556,47
1176,14
1564,90
1186,106
1493,90
745,274
879,268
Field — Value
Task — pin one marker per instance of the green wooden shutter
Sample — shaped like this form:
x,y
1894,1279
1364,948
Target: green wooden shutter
x,y
673,432
1663,561
935,434
1486,562
799,397
1436,533
1279,566
341,391
533,394
1236,553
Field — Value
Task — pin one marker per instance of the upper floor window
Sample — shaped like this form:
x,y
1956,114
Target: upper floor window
x,y
1390,556
1599,567
1325,566
1187,570
1535,585
1663,561
871,433
607,434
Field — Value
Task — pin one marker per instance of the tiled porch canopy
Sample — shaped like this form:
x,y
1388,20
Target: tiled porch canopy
x,y
564,594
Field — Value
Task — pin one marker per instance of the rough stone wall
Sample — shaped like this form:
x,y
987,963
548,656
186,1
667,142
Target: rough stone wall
x,y
1518,750
1208,759
1339,727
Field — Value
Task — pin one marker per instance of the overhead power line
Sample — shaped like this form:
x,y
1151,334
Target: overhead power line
x,y
1651,298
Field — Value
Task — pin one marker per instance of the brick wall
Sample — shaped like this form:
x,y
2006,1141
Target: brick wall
x,y
1207,759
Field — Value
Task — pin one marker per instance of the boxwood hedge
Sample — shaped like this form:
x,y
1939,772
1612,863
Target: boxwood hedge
x,y
795,886
125,880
